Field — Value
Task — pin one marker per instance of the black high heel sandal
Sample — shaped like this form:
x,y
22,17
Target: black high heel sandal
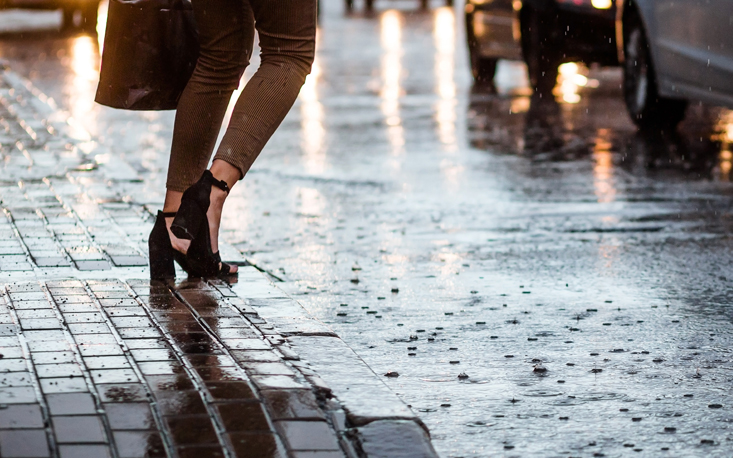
x,y
192,224
161,252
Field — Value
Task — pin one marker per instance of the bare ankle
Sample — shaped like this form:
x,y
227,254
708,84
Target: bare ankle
x,y
218,197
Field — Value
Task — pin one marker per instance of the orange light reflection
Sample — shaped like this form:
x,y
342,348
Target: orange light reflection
x,y
445,42
81,82
311,124
391,40
603,179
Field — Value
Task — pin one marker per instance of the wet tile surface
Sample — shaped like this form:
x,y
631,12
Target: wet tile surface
x,y
114,368
146,444
247,417
24,416
130,416
292,404
143,383
24,443
307,435
79,428
70,404
247,445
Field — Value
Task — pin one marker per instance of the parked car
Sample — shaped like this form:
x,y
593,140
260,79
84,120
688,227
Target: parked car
x,y
77,14
369,4
545,33
674,52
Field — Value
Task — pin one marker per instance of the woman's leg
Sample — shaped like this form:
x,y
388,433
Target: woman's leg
x,y
287,33
226,35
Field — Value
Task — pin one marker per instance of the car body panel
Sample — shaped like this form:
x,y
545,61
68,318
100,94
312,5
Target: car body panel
x,y
691,44
44,4
496,28
585,33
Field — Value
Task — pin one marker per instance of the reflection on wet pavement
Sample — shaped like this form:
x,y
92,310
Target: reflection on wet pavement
x,y
443,230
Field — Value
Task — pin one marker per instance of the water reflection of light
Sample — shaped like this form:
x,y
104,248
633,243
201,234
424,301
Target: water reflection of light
x,y
312,248
102,23
391,40
602,4
311,124
608,251
81,83
570,80
519,104
725,137
452,173
603,180
725,165
392,248
729,132
449,264
444,35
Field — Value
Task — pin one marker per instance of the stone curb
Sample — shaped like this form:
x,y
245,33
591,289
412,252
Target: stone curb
x,y
374,418
367,416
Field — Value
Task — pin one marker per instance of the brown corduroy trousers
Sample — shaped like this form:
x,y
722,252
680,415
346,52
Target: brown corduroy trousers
x,y
287,34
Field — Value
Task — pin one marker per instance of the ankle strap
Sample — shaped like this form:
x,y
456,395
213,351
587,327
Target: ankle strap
x,y
168,214
221,184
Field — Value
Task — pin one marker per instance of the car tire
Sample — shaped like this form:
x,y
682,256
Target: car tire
x,y
349,5
646,108
369,5
483,68
539,51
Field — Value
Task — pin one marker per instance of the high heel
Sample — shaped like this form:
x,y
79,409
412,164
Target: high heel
x,y
191,223
161,252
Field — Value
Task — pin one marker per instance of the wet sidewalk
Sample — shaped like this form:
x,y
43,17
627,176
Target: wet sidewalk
x,y
95,361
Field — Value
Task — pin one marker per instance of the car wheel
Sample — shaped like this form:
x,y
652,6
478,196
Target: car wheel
x,y
349,5
369,5
539,51
646,108
483,68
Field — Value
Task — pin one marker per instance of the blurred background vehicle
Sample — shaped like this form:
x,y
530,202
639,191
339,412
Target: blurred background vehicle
x,y
77,14
674,52
545,33
369,4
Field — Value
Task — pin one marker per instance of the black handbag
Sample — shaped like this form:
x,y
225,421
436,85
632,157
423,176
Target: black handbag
x,y
150,51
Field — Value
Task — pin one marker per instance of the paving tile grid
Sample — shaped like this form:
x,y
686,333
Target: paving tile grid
x,y
110,368
95,366
114,368
59,210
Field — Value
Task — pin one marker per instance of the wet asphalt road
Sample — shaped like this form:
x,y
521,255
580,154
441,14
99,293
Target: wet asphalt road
x,y
575,270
